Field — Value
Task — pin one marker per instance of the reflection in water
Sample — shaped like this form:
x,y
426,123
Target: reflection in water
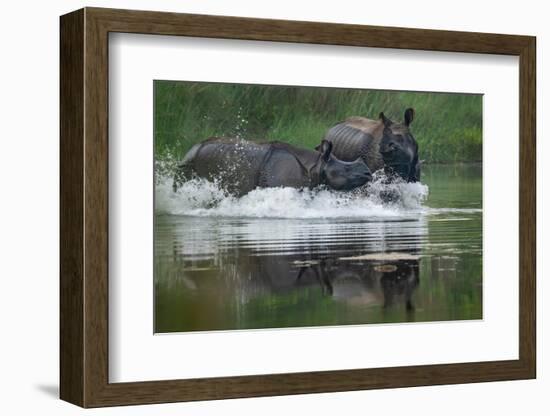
x,y
368,283
215,272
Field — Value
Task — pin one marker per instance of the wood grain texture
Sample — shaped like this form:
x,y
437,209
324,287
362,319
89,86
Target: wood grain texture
x,y
225,27
528,207
96,208
84,207
71,213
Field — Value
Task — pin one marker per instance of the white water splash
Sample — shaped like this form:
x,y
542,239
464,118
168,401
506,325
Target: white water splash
x,y
200,197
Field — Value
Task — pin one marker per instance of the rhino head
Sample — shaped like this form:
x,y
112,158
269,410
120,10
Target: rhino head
x,y
399,148
338,174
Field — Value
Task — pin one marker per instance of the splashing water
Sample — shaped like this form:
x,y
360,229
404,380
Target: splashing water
x,y
199,197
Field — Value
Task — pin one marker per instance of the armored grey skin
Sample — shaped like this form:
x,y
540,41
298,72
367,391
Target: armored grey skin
x,y
381,143
240,166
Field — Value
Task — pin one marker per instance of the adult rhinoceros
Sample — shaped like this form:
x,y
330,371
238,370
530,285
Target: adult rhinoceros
x,y
240,166
380,143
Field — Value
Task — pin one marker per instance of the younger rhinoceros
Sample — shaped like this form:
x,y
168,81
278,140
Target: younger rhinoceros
x,y
380,143
240,166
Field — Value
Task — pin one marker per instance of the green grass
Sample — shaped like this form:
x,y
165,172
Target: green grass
x,y
448,127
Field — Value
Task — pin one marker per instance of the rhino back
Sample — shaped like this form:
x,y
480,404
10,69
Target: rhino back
x,y
350,142
233,163
281,168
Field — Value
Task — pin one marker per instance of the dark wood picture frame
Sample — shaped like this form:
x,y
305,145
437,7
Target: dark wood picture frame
x,y
84,207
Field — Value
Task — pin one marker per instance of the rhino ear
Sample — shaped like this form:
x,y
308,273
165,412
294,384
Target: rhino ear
x,y
409,116
325,148
385,120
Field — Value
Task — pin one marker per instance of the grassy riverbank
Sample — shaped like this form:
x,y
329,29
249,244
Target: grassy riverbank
x,y
448,127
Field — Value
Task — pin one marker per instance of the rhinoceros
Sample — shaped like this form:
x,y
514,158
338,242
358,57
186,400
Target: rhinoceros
x,y
240,166
382,144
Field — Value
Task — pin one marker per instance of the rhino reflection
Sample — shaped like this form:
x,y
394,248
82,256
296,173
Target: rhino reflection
x,y
383,283
366,283
248,261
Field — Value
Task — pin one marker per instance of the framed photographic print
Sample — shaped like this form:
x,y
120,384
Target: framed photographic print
x,y
255,207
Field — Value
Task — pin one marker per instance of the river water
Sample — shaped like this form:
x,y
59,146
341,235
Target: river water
x,y
287,258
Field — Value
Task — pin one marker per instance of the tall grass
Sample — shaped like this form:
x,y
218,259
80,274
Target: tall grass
x,y
448,127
